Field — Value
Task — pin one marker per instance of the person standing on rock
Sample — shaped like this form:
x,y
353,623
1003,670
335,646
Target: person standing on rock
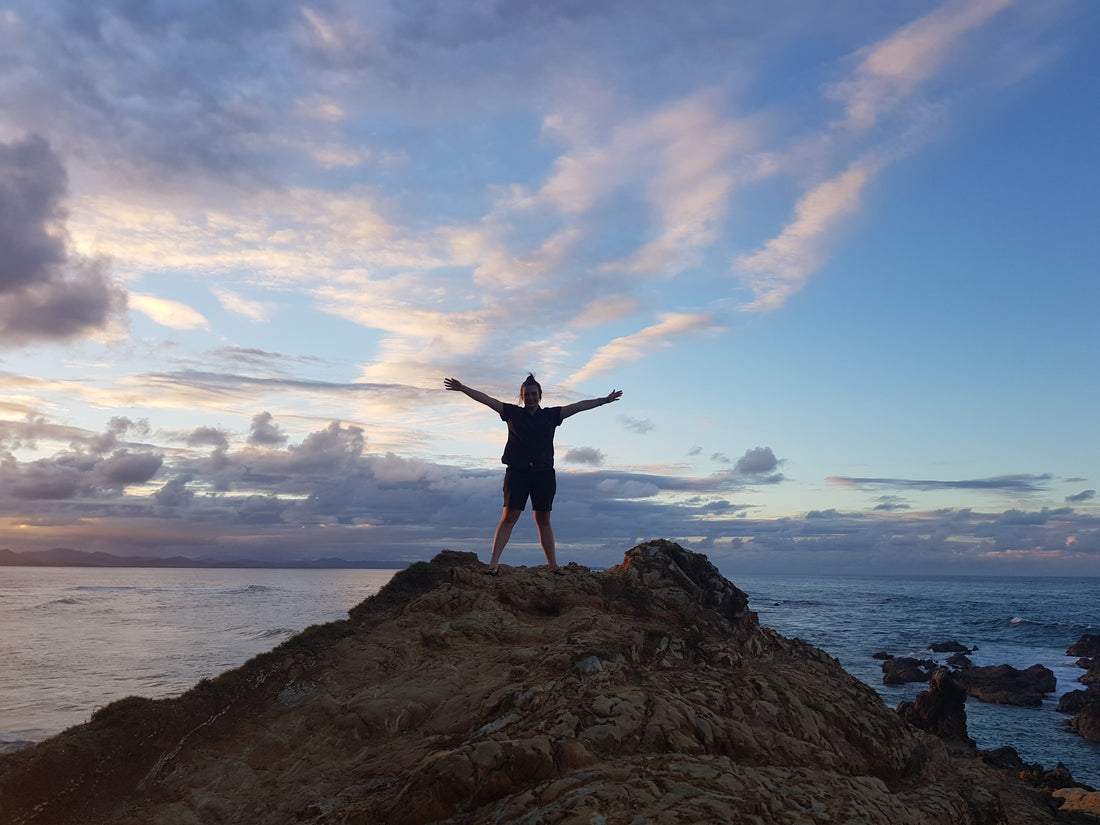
x,y
529,455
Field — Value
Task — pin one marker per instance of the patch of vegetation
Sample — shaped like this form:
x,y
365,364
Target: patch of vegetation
x,y
122,710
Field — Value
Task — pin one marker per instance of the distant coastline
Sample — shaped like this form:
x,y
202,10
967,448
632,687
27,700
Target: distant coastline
x,y
65,557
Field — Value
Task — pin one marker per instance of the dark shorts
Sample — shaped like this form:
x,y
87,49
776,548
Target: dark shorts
x,y
539,485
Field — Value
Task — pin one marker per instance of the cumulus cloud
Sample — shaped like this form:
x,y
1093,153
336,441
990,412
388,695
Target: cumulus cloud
x,y
757,461
124,468
585,455
47,292
208,436
265,431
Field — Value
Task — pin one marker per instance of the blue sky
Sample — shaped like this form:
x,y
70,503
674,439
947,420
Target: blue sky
x,y
840,258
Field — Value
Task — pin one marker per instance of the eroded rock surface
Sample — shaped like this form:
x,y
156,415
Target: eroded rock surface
x,y
647,693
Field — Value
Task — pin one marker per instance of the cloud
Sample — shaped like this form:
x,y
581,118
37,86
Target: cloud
x,y
124,468
167,312
782,267
264,431
1020,483
252,310
888,503
47,293
894,68
633,347
208,436
1084,495
627,488
585,455
757,461
637,425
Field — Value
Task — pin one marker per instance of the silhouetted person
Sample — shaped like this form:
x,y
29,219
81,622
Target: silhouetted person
x,y
529,455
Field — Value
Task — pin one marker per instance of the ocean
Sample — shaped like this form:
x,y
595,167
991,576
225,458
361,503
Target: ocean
x,y
75,639
1015,621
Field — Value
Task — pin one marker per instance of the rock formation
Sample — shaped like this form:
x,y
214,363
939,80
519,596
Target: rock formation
x,y
647,693
1006,685
940,710
904,669
1085,704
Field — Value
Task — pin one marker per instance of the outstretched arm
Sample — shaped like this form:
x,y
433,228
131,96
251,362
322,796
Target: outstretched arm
x,y
590,404
456,385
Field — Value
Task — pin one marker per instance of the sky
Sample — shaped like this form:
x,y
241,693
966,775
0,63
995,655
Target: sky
x,y
841,259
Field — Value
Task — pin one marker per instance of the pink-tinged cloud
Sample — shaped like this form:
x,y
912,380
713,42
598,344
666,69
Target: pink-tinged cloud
x,y
636,346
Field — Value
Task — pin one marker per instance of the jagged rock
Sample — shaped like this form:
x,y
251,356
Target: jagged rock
x,y
959,660
458,699
949,647
1008,761
1085,705
882,655
940,710
1087,646
906,669
1006,685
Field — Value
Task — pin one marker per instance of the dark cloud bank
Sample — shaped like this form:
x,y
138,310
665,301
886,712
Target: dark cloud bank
x,y
47,293
329,495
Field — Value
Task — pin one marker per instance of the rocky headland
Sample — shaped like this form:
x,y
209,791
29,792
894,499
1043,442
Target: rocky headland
x,y
644,694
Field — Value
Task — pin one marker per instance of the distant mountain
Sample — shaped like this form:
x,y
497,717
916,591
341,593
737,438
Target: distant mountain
x,y
66,557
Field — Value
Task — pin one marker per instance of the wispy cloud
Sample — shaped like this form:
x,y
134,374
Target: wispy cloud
x,y
636,346
893,69
239,305
168,313
1012,483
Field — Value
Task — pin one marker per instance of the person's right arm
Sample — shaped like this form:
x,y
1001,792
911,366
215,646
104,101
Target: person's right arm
x,y
456,385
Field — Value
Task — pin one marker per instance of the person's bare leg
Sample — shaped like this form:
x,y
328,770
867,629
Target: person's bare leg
x,y
546,538
504,532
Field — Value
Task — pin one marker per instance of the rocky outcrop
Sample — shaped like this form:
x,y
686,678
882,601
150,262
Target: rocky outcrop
x,y
950,647
1008,761
905,669
1006,685
1088,647
940,710
647,693
1085,707
1078,799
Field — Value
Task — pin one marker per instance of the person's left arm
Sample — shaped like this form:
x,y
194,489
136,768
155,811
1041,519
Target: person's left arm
x,y
590,404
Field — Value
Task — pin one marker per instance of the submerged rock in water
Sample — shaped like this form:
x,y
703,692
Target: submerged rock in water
x,y
644,693
949,647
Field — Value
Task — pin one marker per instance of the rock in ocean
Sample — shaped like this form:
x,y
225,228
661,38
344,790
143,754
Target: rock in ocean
x,y
452,697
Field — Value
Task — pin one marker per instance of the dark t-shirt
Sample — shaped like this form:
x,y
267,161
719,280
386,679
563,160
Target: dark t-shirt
x,y
530,437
